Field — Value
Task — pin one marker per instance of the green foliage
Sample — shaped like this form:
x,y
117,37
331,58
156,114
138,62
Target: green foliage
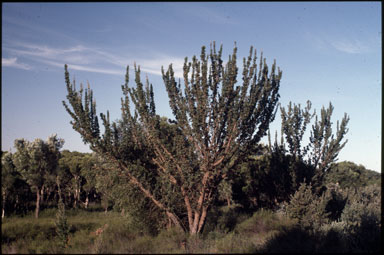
x,y
38,159
266,180
294,122
263,221
11,183
361,218
37,163
265,231
271,175
324,145
178,165
348,218
349,174
223,219
307,208
62,227
70,166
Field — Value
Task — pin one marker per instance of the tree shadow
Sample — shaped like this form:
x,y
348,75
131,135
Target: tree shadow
x,y
299,240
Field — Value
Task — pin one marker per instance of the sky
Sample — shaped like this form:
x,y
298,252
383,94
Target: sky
x,y
328,52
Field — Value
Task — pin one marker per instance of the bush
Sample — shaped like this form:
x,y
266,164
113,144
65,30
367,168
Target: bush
x,y
223,219
262,221
361,219
290,240
62,227
307,208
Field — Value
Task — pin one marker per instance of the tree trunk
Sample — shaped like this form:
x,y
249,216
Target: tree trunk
x,y
228,201
3,203
37,204
42,195
75,200
202,219
86,201
16,204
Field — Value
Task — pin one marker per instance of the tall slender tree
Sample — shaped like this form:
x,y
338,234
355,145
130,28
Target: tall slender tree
x,y
216,122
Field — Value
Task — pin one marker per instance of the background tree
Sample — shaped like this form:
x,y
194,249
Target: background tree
x,y
9,176
88,172
323,147
274,174
73,162
348,174
324,144
36,161
216,123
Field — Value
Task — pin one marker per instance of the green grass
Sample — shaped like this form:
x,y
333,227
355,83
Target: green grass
x,y
29,235
97,232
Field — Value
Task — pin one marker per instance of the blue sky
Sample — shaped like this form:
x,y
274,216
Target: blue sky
x,y
328,52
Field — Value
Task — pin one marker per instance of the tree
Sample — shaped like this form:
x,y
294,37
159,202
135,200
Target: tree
x,y
215,125
323,147
73,162
349,174
87,171
37,161
9,176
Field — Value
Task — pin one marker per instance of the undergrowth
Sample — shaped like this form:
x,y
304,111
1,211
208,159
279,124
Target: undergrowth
x,y
96,232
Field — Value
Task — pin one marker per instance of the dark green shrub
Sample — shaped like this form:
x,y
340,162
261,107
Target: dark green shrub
x,y
336,200
61,223
261,221
361,219
307,208
290,240
223,219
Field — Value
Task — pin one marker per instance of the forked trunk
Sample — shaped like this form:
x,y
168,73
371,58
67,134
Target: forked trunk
x,y
198,221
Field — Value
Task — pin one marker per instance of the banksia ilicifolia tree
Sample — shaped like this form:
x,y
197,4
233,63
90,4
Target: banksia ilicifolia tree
x,y
216,122
294,122
324,145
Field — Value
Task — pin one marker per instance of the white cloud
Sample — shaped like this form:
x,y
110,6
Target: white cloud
x,y
95,60
12,62
352,47
342,44
153,66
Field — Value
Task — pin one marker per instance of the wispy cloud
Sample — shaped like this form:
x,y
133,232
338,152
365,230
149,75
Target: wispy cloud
x,y
86,68
90,59
352,47
12,62
345,45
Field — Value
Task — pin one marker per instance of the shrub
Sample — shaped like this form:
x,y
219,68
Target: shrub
x,y
223,219
170,240
307,208
62,227
261,221
362,219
